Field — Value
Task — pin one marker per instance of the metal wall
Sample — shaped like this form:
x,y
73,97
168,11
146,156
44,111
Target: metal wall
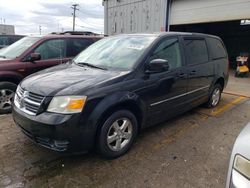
x,y
133,16
204,11
7,29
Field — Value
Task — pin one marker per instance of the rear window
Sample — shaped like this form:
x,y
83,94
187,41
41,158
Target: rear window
x,y
196,51
217,49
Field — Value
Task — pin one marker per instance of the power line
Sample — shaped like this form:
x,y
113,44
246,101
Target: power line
x,y
86,27
74,7
91,25
86,13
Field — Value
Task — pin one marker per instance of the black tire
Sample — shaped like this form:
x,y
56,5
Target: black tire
x,y
211,103
105,149
6,88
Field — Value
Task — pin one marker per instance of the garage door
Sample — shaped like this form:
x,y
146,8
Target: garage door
x,y
202,11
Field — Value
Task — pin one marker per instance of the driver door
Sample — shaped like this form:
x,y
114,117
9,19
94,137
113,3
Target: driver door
x,y
167,90
53,52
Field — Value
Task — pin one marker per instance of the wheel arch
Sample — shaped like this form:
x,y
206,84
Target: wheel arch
x,y
13,78
125,105
221,81
108,105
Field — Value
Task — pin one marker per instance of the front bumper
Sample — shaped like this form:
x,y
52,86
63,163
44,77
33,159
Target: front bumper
x,y
63,133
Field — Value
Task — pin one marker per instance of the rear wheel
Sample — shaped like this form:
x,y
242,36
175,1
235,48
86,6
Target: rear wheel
x,y
117,134
215,96
7,92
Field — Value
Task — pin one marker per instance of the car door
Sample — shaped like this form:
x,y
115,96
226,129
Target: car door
x,y
200,69
165,91
52,51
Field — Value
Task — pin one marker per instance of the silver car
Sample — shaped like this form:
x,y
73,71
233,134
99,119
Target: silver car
x,y
239,166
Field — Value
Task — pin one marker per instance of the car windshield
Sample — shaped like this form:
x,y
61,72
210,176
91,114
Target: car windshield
x,y
116,53
17,48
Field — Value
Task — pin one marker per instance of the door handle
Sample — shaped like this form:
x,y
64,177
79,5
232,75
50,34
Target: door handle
x,y
192,72
182,75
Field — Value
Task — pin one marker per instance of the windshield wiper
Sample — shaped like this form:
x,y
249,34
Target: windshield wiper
x,y
91,65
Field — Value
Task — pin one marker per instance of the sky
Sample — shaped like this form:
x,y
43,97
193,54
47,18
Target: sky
x,y
51,15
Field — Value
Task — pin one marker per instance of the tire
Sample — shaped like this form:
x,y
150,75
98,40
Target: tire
x,y
120,139
7,92
215,96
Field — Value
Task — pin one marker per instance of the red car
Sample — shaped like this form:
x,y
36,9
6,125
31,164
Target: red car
x,y
35,53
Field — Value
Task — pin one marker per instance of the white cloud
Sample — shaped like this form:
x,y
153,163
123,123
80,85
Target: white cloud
x,y
53,15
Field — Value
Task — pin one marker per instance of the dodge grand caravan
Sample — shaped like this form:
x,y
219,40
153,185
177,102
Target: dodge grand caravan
x,y
118,86
31,54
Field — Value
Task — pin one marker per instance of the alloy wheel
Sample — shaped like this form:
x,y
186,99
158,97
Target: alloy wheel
x,y
216,97
6,97
119,134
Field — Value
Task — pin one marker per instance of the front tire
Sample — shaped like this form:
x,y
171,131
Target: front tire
x,y
117,134
215,96
7,92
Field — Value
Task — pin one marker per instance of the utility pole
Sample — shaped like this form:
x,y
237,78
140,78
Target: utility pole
x,y
74,7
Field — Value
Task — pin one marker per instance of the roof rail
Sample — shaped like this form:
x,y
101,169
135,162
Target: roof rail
x,y
88,33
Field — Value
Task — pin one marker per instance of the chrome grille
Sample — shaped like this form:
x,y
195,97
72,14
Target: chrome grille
x,y
27,101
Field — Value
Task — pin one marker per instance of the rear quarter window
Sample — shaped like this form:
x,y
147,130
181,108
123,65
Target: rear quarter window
x,y
196,51
217,48
76,45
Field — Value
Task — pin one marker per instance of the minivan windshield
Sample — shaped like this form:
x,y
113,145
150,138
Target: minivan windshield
x,y
115,53
17,48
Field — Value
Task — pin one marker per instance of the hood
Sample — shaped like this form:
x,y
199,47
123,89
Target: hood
x,y
241,146
4,60
67,79
242,142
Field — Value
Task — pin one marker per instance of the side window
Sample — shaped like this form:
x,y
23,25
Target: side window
x,y
169,50
217,48
52,49
4,40
75,46
196,51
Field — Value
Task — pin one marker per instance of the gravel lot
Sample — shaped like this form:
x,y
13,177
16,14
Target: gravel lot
x,y
192,150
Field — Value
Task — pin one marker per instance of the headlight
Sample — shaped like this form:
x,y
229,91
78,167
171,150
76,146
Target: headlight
x,y
67,104
242,165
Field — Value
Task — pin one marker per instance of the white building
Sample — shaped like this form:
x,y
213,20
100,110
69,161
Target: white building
x,y
225,18
131,16
7,29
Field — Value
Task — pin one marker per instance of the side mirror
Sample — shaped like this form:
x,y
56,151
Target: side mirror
x,y
35,57
157,66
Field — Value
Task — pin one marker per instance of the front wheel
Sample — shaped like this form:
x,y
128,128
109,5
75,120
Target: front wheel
x,y
215,96
7,92
117,134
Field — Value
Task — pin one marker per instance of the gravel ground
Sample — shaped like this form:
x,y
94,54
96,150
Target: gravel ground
x,y
192,150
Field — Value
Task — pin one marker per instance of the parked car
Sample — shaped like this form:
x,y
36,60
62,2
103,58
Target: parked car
x,y
32,54
6,40
239,166
118,86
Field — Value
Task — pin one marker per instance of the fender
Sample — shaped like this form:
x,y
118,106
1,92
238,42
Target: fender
x,y
10,75
112,101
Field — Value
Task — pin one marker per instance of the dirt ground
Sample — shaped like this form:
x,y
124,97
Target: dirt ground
x,y
192,150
